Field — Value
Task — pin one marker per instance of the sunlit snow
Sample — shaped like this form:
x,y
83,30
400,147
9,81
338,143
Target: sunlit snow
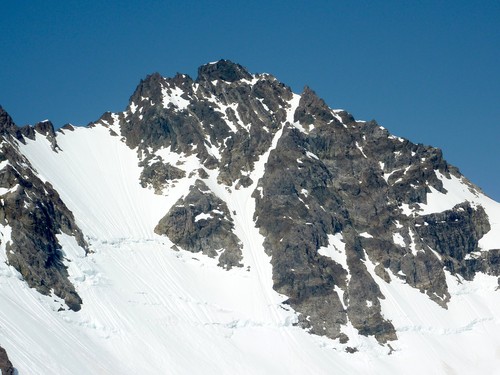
x,y
150,309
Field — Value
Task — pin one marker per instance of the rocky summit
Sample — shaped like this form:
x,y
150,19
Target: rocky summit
x,y
229,204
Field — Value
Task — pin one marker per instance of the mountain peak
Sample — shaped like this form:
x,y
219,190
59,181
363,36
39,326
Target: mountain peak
x,y
45,127
6,122
149,87
224,70
241,209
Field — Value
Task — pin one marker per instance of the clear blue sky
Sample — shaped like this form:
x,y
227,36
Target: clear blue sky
x,y
426,70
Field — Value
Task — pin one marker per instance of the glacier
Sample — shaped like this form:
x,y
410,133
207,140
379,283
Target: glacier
x,y
149,307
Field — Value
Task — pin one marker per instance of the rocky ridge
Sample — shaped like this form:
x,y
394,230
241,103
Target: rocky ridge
x,y
35,215
336,199
329,175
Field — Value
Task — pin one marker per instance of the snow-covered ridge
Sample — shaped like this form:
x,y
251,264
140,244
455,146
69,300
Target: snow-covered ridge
x,y
97,176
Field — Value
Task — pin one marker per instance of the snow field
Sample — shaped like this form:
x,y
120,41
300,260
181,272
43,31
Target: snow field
x,y
149,309
136,289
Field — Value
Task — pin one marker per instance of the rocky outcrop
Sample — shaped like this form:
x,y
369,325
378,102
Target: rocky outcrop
x,y
455,234
35,214
45,128
6,367
158,175
201,222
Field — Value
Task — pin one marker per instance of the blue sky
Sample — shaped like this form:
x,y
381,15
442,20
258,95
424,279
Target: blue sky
x,y
426,70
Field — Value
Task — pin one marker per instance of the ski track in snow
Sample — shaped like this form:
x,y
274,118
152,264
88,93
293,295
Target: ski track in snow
x,y
142,299
150,309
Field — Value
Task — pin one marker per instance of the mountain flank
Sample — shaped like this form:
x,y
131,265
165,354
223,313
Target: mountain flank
x,y
341,206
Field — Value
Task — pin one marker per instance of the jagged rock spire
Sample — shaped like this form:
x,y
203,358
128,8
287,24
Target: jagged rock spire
x,y
149,87
6,123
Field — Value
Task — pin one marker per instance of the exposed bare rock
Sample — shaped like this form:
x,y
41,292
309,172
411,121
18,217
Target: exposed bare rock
x,y
201,222
328,176
159,175
6,367
222,70
36,214
228,114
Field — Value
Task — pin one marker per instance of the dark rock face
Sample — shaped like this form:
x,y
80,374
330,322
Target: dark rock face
x,y
229,114
201,222
46,128
222,70
36,214
313,110
6,123
329,175
298,192
455,234
6,367
330,178
157,175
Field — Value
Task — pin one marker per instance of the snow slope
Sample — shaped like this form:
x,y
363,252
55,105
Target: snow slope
x,y
148,309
